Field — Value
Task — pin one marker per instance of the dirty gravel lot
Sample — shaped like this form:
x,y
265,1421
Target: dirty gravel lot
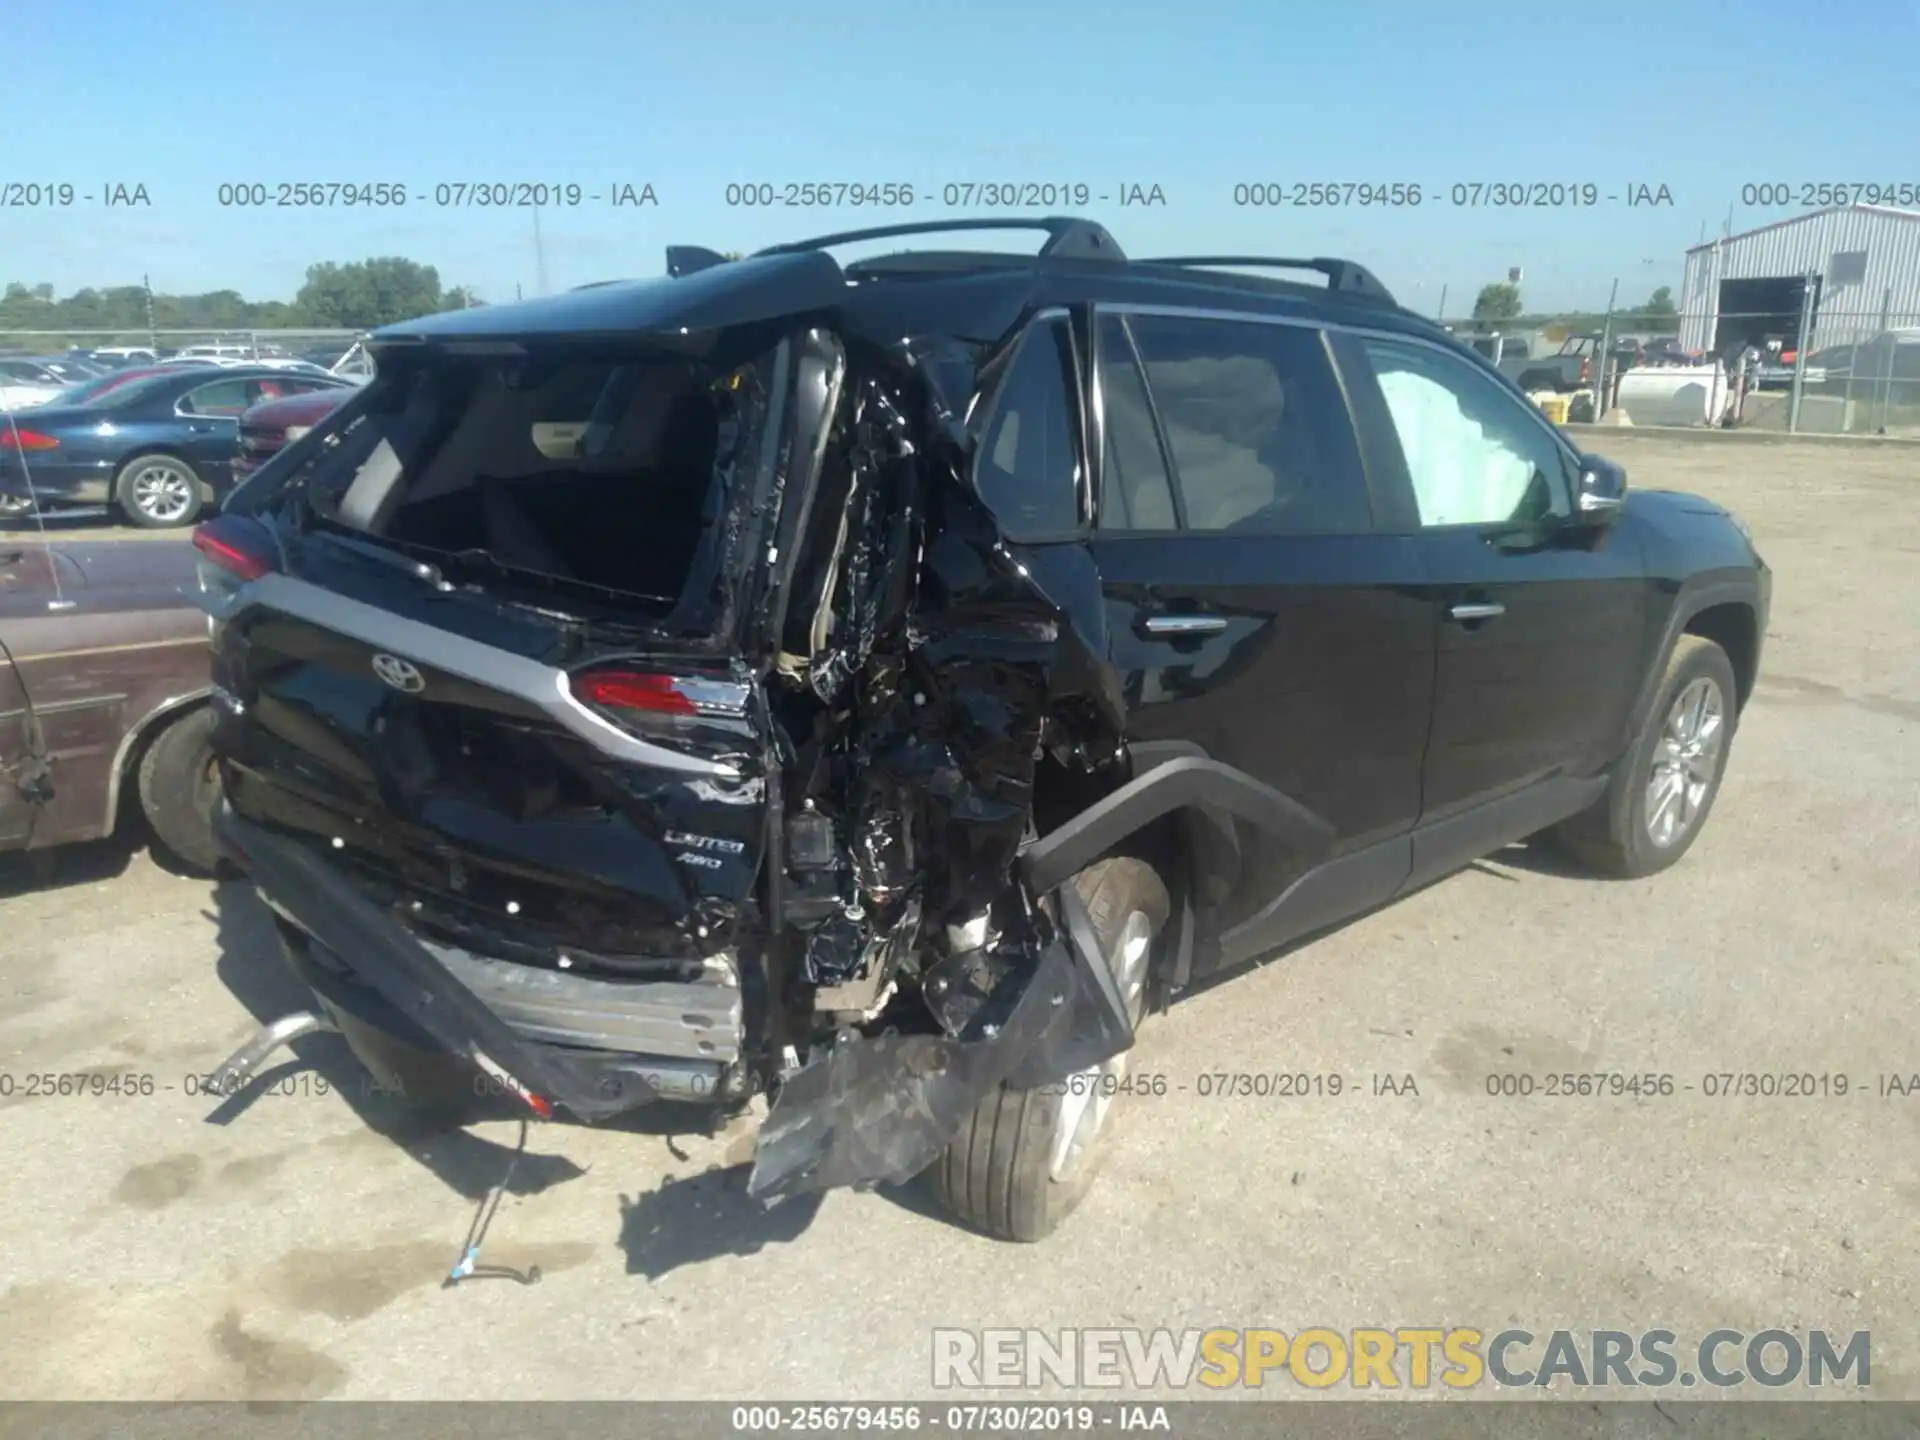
x,y
168,1246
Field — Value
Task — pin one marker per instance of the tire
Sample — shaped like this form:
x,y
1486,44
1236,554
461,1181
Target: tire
x,y
179,789
158,491
15,507
1625,833
998,1174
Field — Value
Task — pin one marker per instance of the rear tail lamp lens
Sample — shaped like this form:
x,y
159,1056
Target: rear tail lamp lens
x,y
237,546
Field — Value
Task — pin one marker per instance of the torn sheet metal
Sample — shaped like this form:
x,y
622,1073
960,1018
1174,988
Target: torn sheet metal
x,y
880,1110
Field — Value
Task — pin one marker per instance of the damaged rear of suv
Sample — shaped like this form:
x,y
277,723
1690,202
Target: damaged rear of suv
x,y
627,694
881,687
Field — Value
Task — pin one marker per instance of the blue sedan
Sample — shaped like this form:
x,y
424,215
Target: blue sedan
x,y
158,449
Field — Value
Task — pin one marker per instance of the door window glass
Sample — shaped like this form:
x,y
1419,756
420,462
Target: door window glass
x,y
1256,424
1474,455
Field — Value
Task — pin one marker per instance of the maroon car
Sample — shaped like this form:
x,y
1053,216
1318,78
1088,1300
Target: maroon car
x,y
273,424
104,684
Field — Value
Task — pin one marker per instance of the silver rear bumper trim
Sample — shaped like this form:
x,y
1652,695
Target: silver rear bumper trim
x,y
700,1021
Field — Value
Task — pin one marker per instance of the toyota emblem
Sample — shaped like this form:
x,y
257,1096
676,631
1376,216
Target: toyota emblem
x,y
400,674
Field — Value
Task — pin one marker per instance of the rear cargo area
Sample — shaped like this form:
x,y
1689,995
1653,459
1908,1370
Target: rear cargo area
x,y
595,468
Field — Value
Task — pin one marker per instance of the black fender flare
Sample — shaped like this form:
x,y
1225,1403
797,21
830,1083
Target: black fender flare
x,y
1691,601
1191,781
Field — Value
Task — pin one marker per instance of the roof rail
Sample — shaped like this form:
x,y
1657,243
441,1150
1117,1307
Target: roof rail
x,y
1068,237
688,259
1343,276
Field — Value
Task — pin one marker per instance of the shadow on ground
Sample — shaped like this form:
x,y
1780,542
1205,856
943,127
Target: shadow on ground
x,y
83,864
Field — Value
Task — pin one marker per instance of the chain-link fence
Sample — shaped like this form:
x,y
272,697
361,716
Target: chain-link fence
x,y
1858,374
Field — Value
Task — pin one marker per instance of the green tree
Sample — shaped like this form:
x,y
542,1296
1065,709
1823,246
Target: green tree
x,y
365,294
1660,313
1496,302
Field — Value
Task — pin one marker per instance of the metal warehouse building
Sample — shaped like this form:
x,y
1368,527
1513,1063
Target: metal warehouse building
x,y
1863,262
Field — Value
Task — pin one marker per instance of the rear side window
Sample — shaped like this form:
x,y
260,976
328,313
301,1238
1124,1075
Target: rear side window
x,y
1027,469
1256,426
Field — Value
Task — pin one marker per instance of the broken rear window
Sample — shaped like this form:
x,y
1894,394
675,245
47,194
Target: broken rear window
x,y
594,468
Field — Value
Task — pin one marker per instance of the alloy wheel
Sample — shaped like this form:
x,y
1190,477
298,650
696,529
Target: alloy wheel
x,y
161,491
1685,761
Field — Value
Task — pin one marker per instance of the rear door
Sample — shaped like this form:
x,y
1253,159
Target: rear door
x,y
1255,607
1541,618
212,412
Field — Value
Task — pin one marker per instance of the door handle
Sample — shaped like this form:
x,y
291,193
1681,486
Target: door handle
x,y
1175,626
1470,610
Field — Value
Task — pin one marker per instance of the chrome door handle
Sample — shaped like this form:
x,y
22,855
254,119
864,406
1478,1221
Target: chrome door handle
x,y
1477,610
1178,625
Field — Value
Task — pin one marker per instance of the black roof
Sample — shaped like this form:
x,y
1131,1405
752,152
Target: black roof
x,y
971,295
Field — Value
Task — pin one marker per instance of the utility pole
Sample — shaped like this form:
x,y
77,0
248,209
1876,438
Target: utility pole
x,y
1800,343
539,253
1606,352
153,338
1441,313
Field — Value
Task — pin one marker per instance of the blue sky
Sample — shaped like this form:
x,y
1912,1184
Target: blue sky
x,y
1696,95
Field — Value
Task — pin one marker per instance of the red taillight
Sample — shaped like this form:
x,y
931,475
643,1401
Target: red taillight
x,y
25,440
1586,371
237,546
629,690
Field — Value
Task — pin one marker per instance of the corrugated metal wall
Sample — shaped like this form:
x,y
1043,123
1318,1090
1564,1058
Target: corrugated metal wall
x,y
1848,313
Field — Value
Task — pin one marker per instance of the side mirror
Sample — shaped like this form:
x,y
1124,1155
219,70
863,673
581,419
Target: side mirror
x,y
1603,490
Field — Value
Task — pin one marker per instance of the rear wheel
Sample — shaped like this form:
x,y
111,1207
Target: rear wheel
x,y
179,789
15,507
1027,1158
158,491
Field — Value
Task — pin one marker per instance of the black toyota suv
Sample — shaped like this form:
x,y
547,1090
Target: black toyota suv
x,y
882,686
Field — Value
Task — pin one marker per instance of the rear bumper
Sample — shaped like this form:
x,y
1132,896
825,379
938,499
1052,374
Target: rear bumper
x,y
549,1038
58,484
867,1110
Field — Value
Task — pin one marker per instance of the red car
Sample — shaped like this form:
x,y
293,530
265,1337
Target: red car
x,y
90,390
104,689
272,425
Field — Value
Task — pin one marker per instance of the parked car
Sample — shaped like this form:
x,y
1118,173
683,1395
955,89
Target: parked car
x,y
272,425
15,395
1567,369
54,370
125,355
158,449
103,690
88,390
1889,362
685,687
